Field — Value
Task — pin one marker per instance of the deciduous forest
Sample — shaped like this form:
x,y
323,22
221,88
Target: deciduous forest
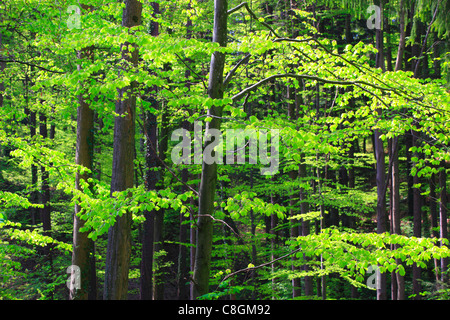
x,y
224,150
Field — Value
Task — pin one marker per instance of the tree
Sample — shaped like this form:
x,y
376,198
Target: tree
x,y
119,235
83,247
208,181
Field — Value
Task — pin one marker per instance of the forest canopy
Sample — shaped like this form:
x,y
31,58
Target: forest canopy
x,y
193,149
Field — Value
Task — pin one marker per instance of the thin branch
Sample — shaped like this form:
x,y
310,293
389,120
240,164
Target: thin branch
x,y
31,65
308,77
198,76
233,71
162,162
253,15
219,220
261,265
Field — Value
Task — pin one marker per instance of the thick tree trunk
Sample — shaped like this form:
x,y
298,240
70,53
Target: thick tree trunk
x,y
83,247
119,236
208,180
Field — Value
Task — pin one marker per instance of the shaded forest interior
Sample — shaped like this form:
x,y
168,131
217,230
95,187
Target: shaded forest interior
x,y
193,149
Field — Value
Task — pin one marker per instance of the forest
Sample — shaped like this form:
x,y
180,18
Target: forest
x,y
224,150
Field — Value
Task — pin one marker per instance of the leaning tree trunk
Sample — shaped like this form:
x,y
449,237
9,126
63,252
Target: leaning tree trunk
x,y
208,180
119,235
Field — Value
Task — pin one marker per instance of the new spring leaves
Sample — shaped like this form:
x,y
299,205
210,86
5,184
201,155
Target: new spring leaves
x,y
213,150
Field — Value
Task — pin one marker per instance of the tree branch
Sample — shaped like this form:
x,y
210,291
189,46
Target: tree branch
x,y
31,65
253,15
308,77
261,265
233,71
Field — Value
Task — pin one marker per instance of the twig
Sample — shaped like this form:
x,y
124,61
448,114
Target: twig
x,y
32,65
219,220
261,265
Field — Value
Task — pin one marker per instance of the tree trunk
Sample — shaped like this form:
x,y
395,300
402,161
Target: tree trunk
x,y
150,181
417,228
443,216
399,285
381,206
45,186
402,41
209,171
83,247
119,236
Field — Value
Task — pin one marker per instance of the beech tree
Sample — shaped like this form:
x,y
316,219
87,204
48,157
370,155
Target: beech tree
x,y
345,194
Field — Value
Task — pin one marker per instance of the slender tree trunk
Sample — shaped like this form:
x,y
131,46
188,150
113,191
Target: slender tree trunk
x,y
294,229
381,206
119,236
45,183
402,41
208,180
45,211
443,216
395,214
434,218
83,247
150,180
417,228
183,266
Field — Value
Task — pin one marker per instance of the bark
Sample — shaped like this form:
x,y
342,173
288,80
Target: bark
x,y
397,280
443,216
417,226
150,181
305,226
402,41
183,266
381,205
148,231
294,229
119,235
45,184
209,171
380,171
83,247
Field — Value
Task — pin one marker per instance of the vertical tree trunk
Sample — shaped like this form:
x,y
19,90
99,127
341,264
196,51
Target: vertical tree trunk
x,y
434,218
45,186
148,231
395,214
34,171
402,41
45,211
305,226
208,180
151,178
294,229
381,206
83,247
183,267
417,222
443,216
119,235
